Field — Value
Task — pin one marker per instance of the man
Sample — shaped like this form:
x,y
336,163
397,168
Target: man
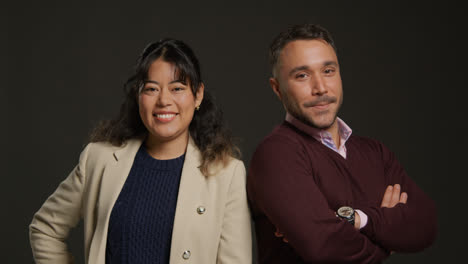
x,y
317,192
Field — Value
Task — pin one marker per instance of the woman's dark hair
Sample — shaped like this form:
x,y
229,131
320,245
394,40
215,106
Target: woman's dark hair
x,y
298,32
207,127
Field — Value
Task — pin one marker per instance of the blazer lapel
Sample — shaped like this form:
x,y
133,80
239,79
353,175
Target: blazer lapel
x,y
113,179
189,191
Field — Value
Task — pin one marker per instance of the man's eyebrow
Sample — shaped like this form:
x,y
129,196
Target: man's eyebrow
x,y
298,68
305,67
328,63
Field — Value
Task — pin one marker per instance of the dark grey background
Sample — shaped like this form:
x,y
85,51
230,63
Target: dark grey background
x,y
64,65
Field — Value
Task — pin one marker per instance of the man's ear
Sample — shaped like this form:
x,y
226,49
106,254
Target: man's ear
x,y
275,86
199,95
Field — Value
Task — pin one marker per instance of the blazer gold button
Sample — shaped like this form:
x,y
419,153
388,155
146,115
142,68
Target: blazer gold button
x,y
201,210
186,254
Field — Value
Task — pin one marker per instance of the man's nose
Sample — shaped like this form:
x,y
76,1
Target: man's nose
x,y
318,85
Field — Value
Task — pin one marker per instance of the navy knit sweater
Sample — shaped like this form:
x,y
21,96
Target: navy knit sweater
x,y
140,225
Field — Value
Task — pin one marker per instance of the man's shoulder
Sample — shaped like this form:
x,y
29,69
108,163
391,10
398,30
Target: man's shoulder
x,y
283,134
363,143
284,141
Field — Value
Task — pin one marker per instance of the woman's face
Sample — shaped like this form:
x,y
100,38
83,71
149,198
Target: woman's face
x,y
167,104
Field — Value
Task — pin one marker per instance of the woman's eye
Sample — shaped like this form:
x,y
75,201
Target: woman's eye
x,y
149,90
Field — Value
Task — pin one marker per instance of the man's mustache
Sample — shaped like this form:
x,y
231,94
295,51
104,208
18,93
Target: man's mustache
x,y
323,99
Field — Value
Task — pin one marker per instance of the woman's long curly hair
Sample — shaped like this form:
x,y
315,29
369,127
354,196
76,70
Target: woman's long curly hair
x,y
207,127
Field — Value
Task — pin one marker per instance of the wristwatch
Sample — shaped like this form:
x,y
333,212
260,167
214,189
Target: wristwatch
x,y
347,213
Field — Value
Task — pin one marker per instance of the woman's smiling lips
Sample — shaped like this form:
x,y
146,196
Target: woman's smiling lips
x,y
164,116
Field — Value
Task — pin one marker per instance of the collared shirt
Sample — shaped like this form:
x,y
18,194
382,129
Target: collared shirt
x,y
323,136
326,139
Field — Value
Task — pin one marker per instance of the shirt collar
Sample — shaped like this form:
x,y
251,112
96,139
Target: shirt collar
x,y
319,134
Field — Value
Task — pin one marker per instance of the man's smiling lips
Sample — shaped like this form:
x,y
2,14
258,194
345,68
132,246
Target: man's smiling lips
x,y
165,116
321,106
321,103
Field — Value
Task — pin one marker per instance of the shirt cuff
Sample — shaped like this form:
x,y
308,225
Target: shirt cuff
x,y
363,217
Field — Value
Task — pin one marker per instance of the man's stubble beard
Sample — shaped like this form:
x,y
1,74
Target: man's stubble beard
x,y
292,108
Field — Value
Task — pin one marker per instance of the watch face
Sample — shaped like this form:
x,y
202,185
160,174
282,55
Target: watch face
x,y
345,211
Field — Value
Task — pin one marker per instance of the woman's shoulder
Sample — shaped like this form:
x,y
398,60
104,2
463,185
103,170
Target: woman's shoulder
x,y
232,166
98,149
103,149
234,163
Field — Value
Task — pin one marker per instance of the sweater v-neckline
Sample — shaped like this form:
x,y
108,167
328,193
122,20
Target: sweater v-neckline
x,y
328,150
332,152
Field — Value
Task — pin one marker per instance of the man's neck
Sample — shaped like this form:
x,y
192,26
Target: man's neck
x,y
333,137
334,132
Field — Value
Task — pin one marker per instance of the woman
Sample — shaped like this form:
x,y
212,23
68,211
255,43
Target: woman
x,y
159,184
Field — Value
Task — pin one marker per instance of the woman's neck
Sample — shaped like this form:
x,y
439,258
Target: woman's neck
x,y
170,149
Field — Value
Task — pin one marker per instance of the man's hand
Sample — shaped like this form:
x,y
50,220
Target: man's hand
x,y
392,196
357,221
278,233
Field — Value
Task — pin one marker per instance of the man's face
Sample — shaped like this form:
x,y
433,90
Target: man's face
x,y
308,82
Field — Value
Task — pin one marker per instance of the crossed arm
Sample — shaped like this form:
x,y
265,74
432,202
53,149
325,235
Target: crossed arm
x,y
302,211
391,197
405,227
310,226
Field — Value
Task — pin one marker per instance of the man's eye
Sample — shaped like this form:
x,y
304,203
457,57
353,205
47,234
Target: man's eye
x,y
329,71
301,76
178,89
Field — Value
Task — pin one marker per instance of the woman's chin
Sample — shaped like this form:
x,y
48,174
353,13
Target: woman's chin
x,y
165,136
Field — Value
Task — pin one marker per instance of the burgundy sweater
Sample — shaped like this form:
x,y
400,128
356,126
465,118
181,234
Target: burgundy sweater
x,y
296,184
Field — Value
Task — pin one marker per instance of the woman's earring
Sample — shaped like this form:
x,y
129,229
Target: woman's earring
x,y
197,108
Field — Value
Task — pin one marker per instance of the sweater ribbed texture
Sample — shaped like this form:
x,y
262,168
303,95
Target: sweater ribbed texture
x,y
140,225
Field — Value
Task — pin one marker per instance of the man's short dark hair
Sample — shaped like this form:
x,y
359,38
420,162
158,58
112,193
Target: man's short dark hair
x,y
298,32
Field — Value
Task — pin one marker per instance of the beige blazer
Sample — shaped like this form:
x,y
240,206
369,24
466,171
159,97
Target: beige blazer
x,y
219,234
